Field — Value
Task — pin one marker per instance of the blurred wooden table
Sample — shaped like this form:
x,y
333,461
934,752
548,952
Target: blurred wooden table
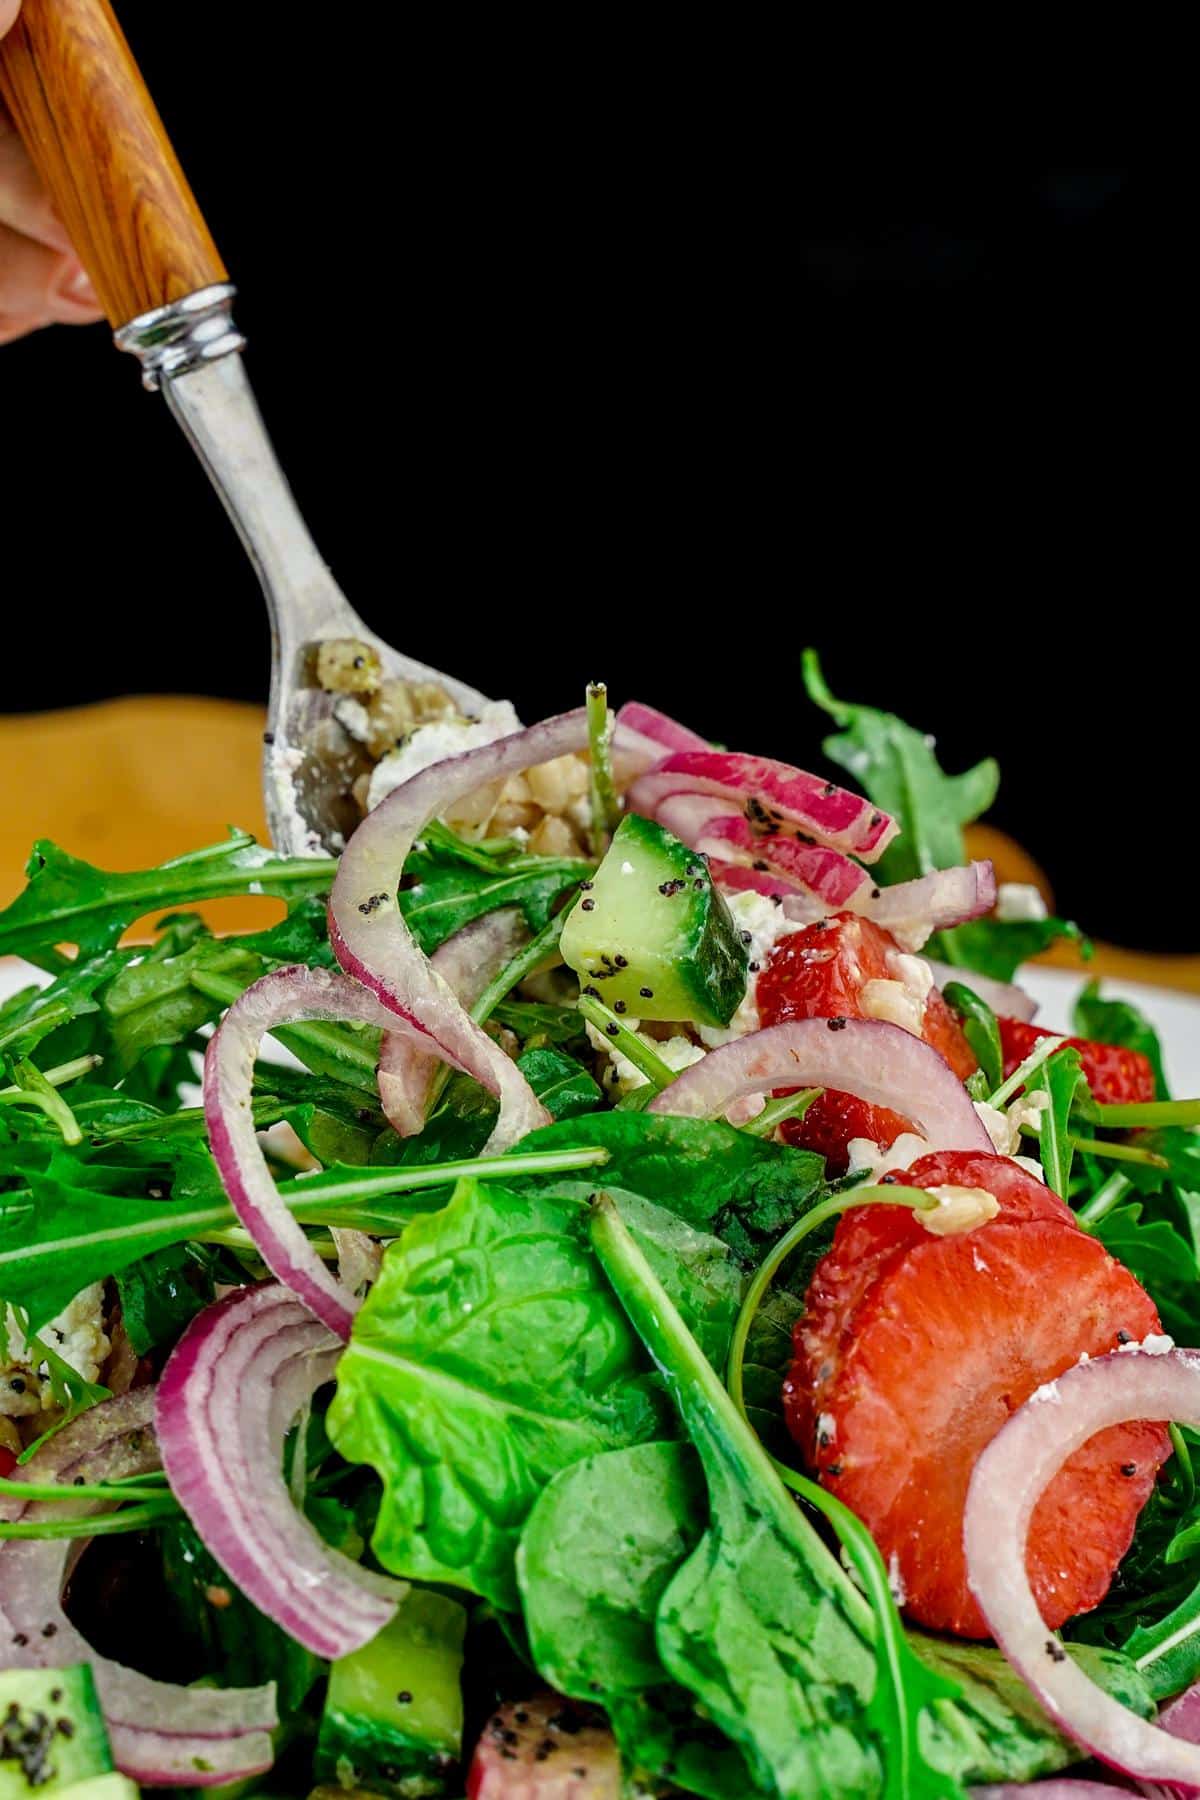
x,y
128,783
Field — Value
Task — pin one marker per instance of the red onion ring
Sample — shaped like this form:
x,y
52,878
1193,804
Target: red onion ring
x,y
1005,1486
668,733
718,828
161,1734
911,910
734,878
777,793
881,1063
230,1389
285,997
466,963
374,945
1004,998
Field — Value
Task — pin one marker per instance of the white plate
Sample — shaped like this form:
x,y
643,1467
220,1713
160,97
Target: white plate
x,y
1176,1016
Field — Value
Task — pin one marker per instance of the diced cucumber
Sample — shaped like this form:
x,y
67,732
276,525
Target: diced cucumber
x,y
394,1715
52,1732
652,936
100,1787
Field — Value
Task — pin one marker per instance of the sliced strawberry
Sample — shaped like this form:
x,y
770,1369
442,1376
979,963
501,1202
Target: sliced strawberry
x,y
819,973
1114,1074
8,1461
910,1362
545,1749
871,1238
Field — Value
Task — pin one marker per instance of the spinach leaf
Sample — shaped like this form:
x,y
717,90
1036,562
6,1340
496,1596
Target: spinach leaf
x,y
998,947
444,891
1119,1022
600,1546
70,901
744,1189
980,1029
489,1355
1163,1262
1060,1077
896,767
162,1293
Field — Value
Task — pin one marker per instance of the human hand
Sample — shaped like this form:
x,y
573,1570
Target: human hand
x,y
41,279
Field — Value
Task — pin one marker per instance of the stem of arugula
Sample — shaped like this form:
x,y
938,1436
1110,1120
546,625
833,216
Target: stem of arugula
x,y
1146,1114
129,1518
1103,1200
58,1077
100,1490
606,808
1023,1071
790,1106
1130,1153
630,1043
39,1092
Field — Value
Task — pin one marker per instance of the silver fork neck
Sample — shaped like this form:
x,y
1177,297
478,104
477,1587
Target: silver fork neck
x,y
182,335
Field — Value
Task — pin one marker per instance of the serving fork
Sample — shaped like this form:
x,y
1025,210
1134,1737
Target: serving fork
x,y
83,110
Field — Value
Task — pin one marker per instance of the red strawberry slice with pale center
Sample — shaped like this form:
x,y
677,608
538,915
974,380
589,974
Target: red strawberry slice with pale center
x,y
545,1749
820,973
916,1349
1114,1074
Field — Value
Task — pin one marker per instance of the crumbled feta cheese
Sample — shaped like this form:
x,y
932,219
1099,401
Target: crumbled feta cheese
x,y
826,1430
440,738
351,714
677,1052
896,1580
913,971
1046,1395
957,1209
1032,1167
77,1334
766,923
865,1157
892,1002
998,1127
1155,1343
1004,1128
1018,901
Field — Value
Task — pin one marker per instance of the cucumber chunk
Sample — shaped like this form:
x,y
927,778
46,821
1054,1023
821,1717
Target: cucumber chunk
x,y
393,1716
652,936
52,1732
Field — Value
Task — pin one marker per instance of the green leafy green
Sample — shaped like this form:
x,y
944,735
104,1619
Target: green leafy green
x,y
70,901
563,1086
1059,1077
742,1188
538,1024
1119,1022
981,1030
489,1355
896,767
1163,1261
444,890
154,1002
162,1293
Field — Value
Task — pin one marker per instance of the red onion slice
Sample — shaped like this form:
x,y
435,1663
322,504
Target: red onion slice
x,y
161,1734
774,793
285,997
374,945
720,829
736,879
1005,1486
1004,998
230,1389
911,910
467,963
666,732
881,1063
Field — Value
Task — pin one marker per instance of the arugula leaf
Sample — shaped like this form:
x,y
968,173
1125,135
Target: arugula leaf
x,y
444,891
153,1002
489,1355
1119,1022
1167,1654
71,996
744,1189
301,937
70,901
563,1086
538,1024
1154,1251
980,1029
1060,1077
330,1136
998,947
896,767
162,1293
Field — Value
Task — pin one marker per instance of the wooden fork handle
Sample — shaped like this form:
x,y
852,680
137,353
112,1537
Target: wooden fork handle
x,y
80,104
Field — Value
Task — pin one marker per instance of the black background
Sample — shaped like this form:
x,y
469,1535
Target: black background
x,y
574,381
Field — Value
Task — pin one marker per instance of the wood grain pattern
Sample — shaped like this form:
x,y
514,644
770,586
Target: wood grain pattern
x,y
81,106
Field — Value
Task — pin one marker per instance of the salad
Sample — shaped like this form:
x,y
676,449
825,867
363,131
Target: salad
x,y
613,1295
